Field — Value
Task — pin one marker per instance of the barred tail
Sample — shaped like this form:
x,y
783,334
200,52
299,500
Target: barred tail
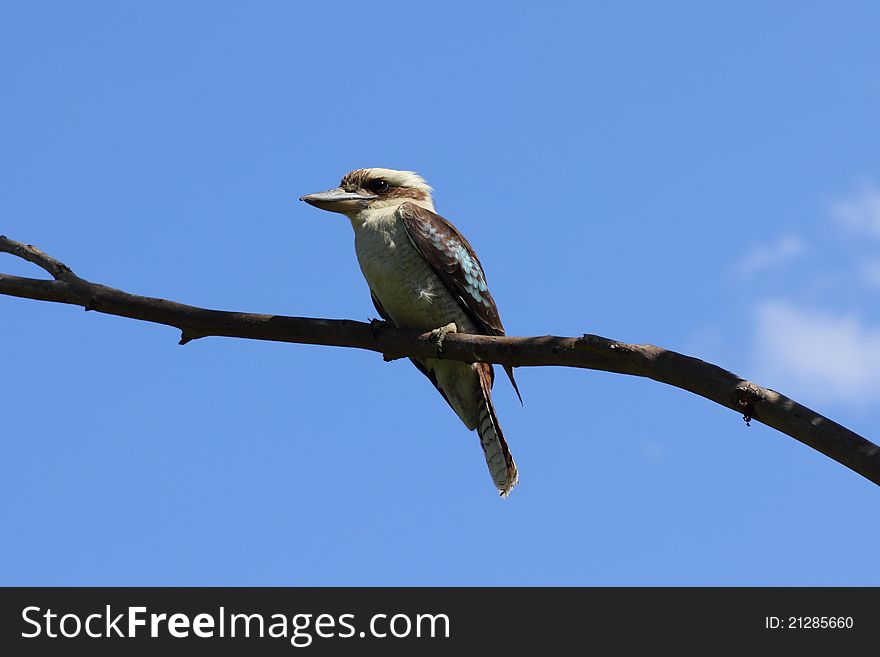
x,y
498,456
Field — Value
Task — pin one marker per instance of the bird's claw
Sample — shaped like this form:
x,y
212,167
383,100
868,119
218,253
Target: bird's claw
x,y
439,334
376,326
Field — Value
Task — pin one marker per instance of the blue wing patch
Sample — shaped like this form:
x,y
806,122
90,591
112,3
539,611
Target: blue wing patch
x,y
454,261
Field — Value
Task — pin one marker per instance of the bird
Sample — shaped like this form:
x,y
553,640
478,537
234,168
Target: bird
x,y
423,274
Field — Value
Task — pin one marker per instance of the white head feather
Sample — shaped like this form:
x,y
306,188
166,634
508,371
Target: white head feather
x,y
411,187
400,178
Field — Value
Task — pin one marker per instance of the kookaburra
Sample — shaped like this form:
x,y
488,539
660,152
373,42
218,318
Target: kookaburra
x,y
424,275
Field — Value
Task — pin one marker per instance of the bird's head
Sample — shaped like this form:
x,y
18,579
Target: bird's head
x,y
363,190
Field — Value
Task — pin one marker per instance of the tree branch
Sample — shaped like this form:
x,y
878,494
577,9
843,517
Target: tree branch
x,y
589,352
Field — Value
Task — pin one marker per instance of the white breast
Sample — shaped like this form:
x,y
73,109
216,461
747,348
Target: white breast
x,y
407,287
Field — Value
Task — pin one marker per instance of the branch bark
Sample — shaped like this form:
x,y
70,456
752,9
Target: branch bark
x,y
750,400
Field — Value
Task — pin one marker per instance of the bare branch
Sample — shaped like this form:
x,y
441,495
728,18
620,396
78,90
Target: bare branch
x,y
589,352
58,270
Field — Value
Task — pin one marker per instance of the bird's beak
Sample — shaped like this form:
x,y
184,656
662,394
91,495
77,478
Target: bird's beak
x,y
339,200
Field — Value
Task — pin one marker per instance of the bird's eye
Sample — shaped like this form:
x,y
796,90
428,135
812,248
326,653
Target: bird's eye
x,y
377,186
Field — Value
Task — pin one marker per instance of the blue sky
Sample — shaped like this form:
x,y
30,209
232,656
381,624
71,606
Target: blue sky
x,y
703,178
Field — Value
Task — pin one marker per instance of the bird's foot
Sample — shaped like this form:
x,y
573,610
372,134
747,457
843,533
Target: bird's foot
x,y
376,326
439,334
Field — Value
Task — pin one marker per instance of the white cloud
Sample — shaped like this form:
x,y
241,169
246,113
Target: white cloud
x,y
860,212
824,355
763,256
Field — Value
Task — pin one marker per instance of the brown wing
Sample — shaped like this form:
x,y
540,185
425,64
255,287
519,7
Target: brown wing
x,y
457,265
